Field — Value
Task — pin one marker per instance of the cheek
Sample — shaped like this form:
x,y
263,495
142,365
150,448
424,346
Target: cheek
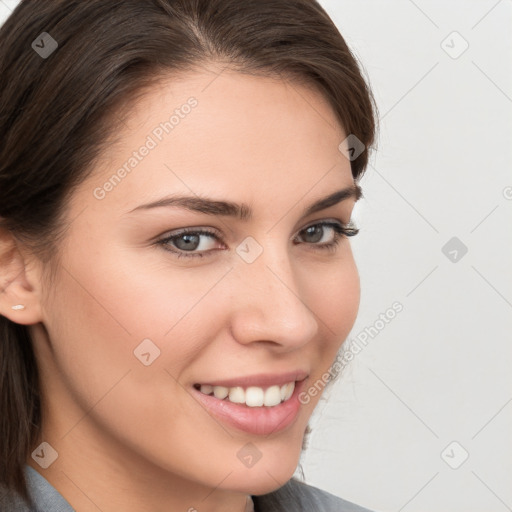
x,y
111,313
334,295
98,316
102,311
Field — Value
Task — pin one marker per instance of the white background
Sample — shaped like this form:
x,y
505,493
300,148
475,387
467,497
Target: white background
x,y
439,372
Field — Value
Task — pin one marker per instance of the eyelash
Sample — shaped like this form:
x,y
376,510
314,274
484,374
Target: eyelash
x,y
340,231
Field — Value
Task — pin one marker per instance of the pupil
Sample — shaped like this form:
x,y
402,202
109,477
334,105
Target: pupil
x,y
316,231
191,242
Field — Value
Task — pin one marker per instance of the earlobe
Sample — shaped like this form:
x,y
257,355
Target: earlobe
x,y
19,281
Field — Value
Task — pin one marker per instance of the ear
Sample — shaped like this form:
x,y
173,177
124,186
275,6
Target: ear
x,y
20,281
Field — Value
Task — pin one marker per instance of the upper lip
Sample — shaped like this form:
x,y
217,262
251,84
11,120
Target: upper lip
x,y
260,380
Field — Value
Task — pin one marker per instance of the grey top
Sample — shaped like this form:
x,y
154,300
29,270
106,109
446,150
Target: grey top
x,y
294,496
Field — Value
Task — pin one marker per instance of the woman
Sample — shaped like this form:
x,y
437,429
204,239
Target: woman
x,y
176,184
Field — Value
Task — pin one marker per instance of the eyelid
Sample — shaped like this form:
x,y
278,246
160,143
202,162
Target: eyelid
x,y
327,220
350,225
216,233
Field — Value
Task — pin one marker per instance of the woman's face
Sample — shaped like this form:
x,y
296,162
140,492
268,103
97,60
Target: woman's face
x,y
138,329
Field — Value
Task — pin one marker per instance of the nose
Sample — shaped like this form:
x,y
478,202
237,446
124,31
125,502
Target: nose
x,y
268,307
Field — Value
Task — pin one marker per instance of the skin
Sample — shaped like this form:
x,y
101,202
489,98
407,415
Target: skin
x,y
131,437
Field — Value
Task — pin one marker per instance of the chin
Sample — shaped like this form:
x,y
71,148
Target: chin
x,y
261,482
269,473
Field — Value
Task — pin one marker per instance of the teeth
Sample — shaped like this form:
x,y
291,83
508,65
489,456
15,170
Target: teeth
x,y
287,390
220,392
253,396
206,389
236,395
272,396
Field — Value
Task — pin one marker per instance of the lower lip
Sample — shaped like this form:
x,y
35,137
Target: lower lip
x,y
254,420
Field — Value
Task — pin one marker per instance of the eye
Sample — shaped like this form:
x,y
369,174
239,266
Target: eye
x,y
195,242
192,242
327,234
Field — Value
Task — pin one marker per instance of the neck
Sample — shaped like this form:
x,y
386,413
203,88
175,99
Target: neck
x,y
101,476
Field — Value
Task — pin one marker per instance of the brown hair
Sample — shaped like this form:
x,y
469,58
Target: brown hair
x,y
57,114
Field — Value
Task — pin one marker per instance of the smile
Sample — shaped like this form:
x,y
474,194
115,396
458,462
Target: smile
x,y
257,404
252,396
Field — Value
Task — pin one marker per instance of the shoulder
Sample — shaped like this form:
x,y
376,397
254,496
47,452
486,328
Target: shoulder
x,y
296,496
45,497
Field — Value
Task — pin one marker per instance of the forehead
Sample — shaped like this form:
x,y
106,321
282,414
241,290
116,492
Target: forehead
x,y
213,129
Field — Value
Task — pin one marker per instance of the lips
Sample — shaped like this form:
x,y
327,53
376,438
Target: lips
x,y
262,405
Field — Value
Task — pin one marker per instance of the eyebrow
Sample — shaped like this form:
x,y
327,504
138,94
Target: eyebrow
x,y
243,211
